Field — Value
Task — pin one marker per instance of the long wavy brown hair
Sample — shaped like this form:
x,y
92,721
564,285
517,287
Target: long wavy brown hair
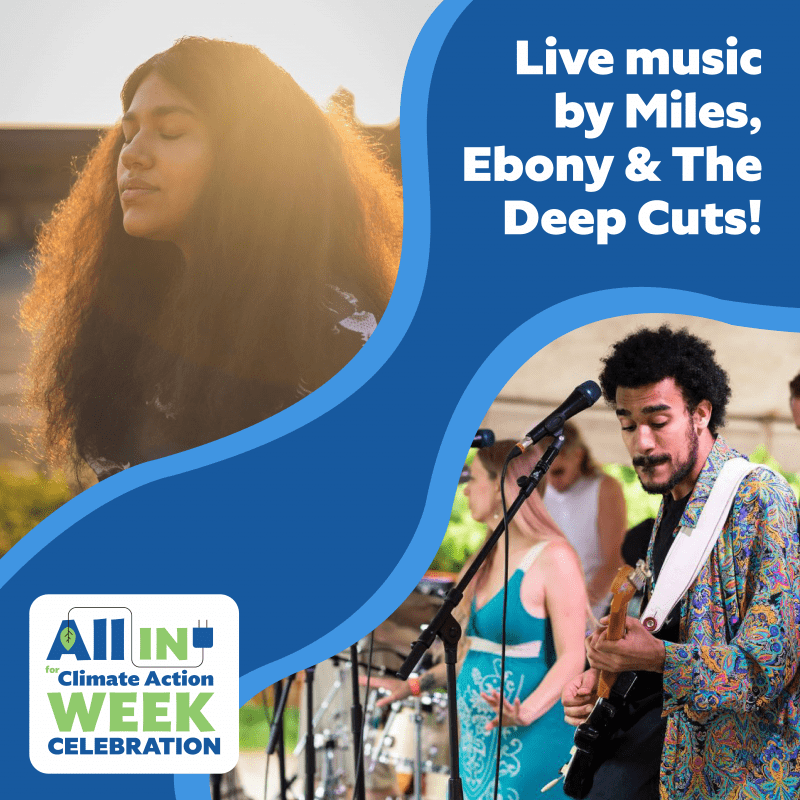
x,y
297,202
533,520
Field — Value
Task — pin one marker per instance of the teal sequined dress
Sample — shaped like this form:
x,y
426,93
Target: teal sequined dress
x,y
531,756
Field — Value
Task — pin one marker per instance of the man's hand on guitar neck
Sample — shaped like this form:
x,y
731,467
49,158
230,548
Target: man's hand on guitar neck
x,y
638,649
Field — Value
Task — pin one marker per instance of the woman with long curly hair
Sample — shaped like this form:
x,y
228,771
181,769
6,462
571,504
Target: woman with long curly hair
x,y
227,249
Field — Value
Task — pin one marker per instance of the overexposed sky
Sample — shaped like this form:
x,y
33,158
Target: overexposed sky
x,y
64,61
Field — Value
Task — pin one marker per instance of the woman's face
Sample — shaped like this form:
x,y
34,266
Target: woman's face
x,y
164,163
483,493
566,469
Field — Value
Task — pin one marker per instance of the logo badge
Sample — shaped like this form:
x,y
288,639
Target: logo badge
x,y
134,684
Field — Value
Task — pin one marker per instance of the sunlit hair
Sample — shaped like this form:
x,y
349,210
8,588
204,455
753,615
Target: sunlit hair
x,y
573,440
533,520
296,202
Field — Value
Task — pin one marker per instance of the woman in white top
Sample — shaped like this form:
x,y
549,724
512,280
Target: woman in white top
x,y
589,507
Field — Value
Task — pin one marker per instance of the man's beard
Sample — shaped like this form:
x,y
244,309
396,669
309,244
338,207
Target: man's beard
x,y
681,472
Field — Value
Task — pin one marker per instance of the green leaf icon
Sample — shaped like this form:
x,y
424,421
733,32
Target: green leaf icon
x,y
68,638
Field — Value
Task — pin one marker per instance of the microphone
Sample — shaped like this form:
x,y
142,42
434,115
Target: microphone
x,y
483,438
585,395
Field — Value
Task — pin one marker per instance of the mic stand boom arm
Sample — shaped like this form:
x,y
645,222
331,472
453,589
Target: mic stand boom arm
x,y
447,628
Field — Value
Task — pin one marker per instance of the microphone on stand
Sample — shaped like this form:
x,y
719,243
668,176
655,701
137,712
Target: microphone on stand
x,y
583,396
483,438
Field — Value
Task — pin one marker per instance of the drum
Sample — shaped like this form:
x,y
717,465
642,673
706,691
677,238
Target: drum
x,y
403,740
436,784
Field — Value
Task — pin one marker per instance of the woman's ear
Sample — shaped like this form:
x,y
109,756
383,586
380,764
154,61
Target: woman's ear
x,y
497,495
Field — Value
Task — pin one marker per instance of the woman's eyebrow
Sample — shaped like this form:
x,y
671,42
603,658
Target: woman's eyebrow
x,y
160,111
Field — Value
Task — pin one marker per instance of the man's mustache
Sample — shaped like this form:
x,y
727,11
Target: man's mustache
x,y
651,461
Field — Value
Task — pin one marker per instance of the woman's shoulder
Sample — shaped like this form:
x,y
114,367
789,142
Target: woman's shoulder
x,y
350,314
559,557
609,490
607,482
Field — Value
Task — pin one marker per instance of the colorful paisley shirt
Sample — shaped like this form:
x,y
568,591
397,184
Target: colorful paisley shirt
x,y
731,685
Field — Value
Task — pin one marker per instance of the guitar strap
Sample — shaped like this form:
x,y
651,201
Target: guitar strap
x,y
692,546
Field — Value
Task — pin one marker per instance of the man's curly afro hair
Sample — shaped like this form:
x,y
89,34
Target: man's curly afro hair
x,y
648,356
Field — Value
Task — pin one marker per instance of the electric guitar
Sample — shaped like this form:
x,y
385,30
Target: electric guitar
x,y
612,694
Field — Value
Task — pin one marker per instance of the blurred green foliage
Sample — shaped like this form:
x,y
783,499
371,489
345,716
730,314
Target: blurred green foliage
x,y
638,502
464,535
761,456
25,500
254,728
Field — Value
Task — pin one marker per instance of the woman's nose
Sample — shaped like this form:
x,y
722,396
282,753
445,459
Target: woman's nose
x,y
136,153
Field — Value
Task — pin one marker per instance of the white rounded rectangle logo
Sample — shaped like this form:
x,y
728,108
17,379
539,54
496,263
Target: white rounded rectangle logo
x,y
134,683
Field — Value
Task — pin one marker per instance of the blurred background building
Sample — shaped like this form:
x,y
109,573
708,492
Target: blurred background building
x,y
759,363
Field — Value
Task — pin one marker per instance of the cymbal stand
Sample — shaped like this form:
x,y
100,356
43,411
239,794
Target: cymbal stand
x,y
357,719
326,702
418,742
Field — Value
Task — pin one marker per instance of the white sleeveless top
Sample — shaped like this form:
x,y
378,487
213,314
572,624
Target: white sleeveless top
x,y
575,512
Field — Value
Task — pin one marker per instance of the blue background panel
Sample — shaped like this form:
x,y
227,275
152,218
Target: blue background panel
x,y
336,506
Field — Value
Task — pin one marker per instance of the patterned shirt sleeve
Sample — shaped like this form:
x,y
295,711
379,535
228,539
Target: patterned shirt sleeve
x,y
759,604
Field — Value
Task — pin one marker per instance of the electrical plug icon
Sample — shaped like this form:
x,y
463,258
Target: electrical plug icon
x,y
202,637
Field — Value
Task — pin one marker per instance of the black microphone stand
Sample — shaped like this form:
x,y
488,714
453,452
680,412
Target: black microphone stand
x,y
276,738
216,787
311,753
446,627
357,721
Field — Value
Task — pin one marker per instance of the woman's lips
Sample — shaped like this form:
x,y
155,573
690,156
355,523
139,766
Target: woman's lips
x,y
136,193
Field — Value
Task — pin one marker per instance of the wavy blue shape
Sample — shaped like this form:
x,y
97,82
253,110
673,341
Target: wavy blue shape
x,y
190,787
481,392
374,354
477,397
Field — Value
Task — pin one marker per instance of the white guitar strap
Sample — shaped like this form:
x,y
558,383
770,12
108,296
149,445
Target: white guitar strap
x,y
692,546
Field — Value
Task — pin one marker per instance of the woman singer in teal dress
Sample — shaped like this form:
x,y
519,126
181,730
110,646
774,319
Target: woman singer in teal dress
x,y
545,624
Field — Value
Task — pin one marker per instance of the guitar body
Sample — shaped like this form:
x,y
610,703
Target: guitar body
x,y
613,690
592,736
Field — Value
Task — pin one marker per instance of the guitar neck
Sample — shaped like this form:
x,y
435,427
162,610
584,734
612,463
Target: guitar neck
x,y
616,624
615,631
622,592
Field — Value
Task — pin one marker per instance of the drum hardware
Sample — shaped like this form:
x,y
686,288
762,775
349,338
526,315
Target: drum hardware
x,y
382,737
402,746
418,759
325,704
332,784
405,744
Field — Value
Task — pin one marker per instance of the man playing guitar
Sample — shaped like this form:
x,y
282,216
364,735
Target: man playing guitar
x,y
716,711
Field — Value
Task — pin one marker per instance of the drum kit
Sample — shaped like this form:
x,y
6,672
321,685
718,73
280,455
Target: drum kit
x,y
413,741
405,750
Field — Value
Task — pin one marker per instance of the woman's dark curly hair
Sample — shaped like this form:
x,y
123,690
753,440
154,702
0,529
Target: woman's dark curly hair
x,y
296,202
649,356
